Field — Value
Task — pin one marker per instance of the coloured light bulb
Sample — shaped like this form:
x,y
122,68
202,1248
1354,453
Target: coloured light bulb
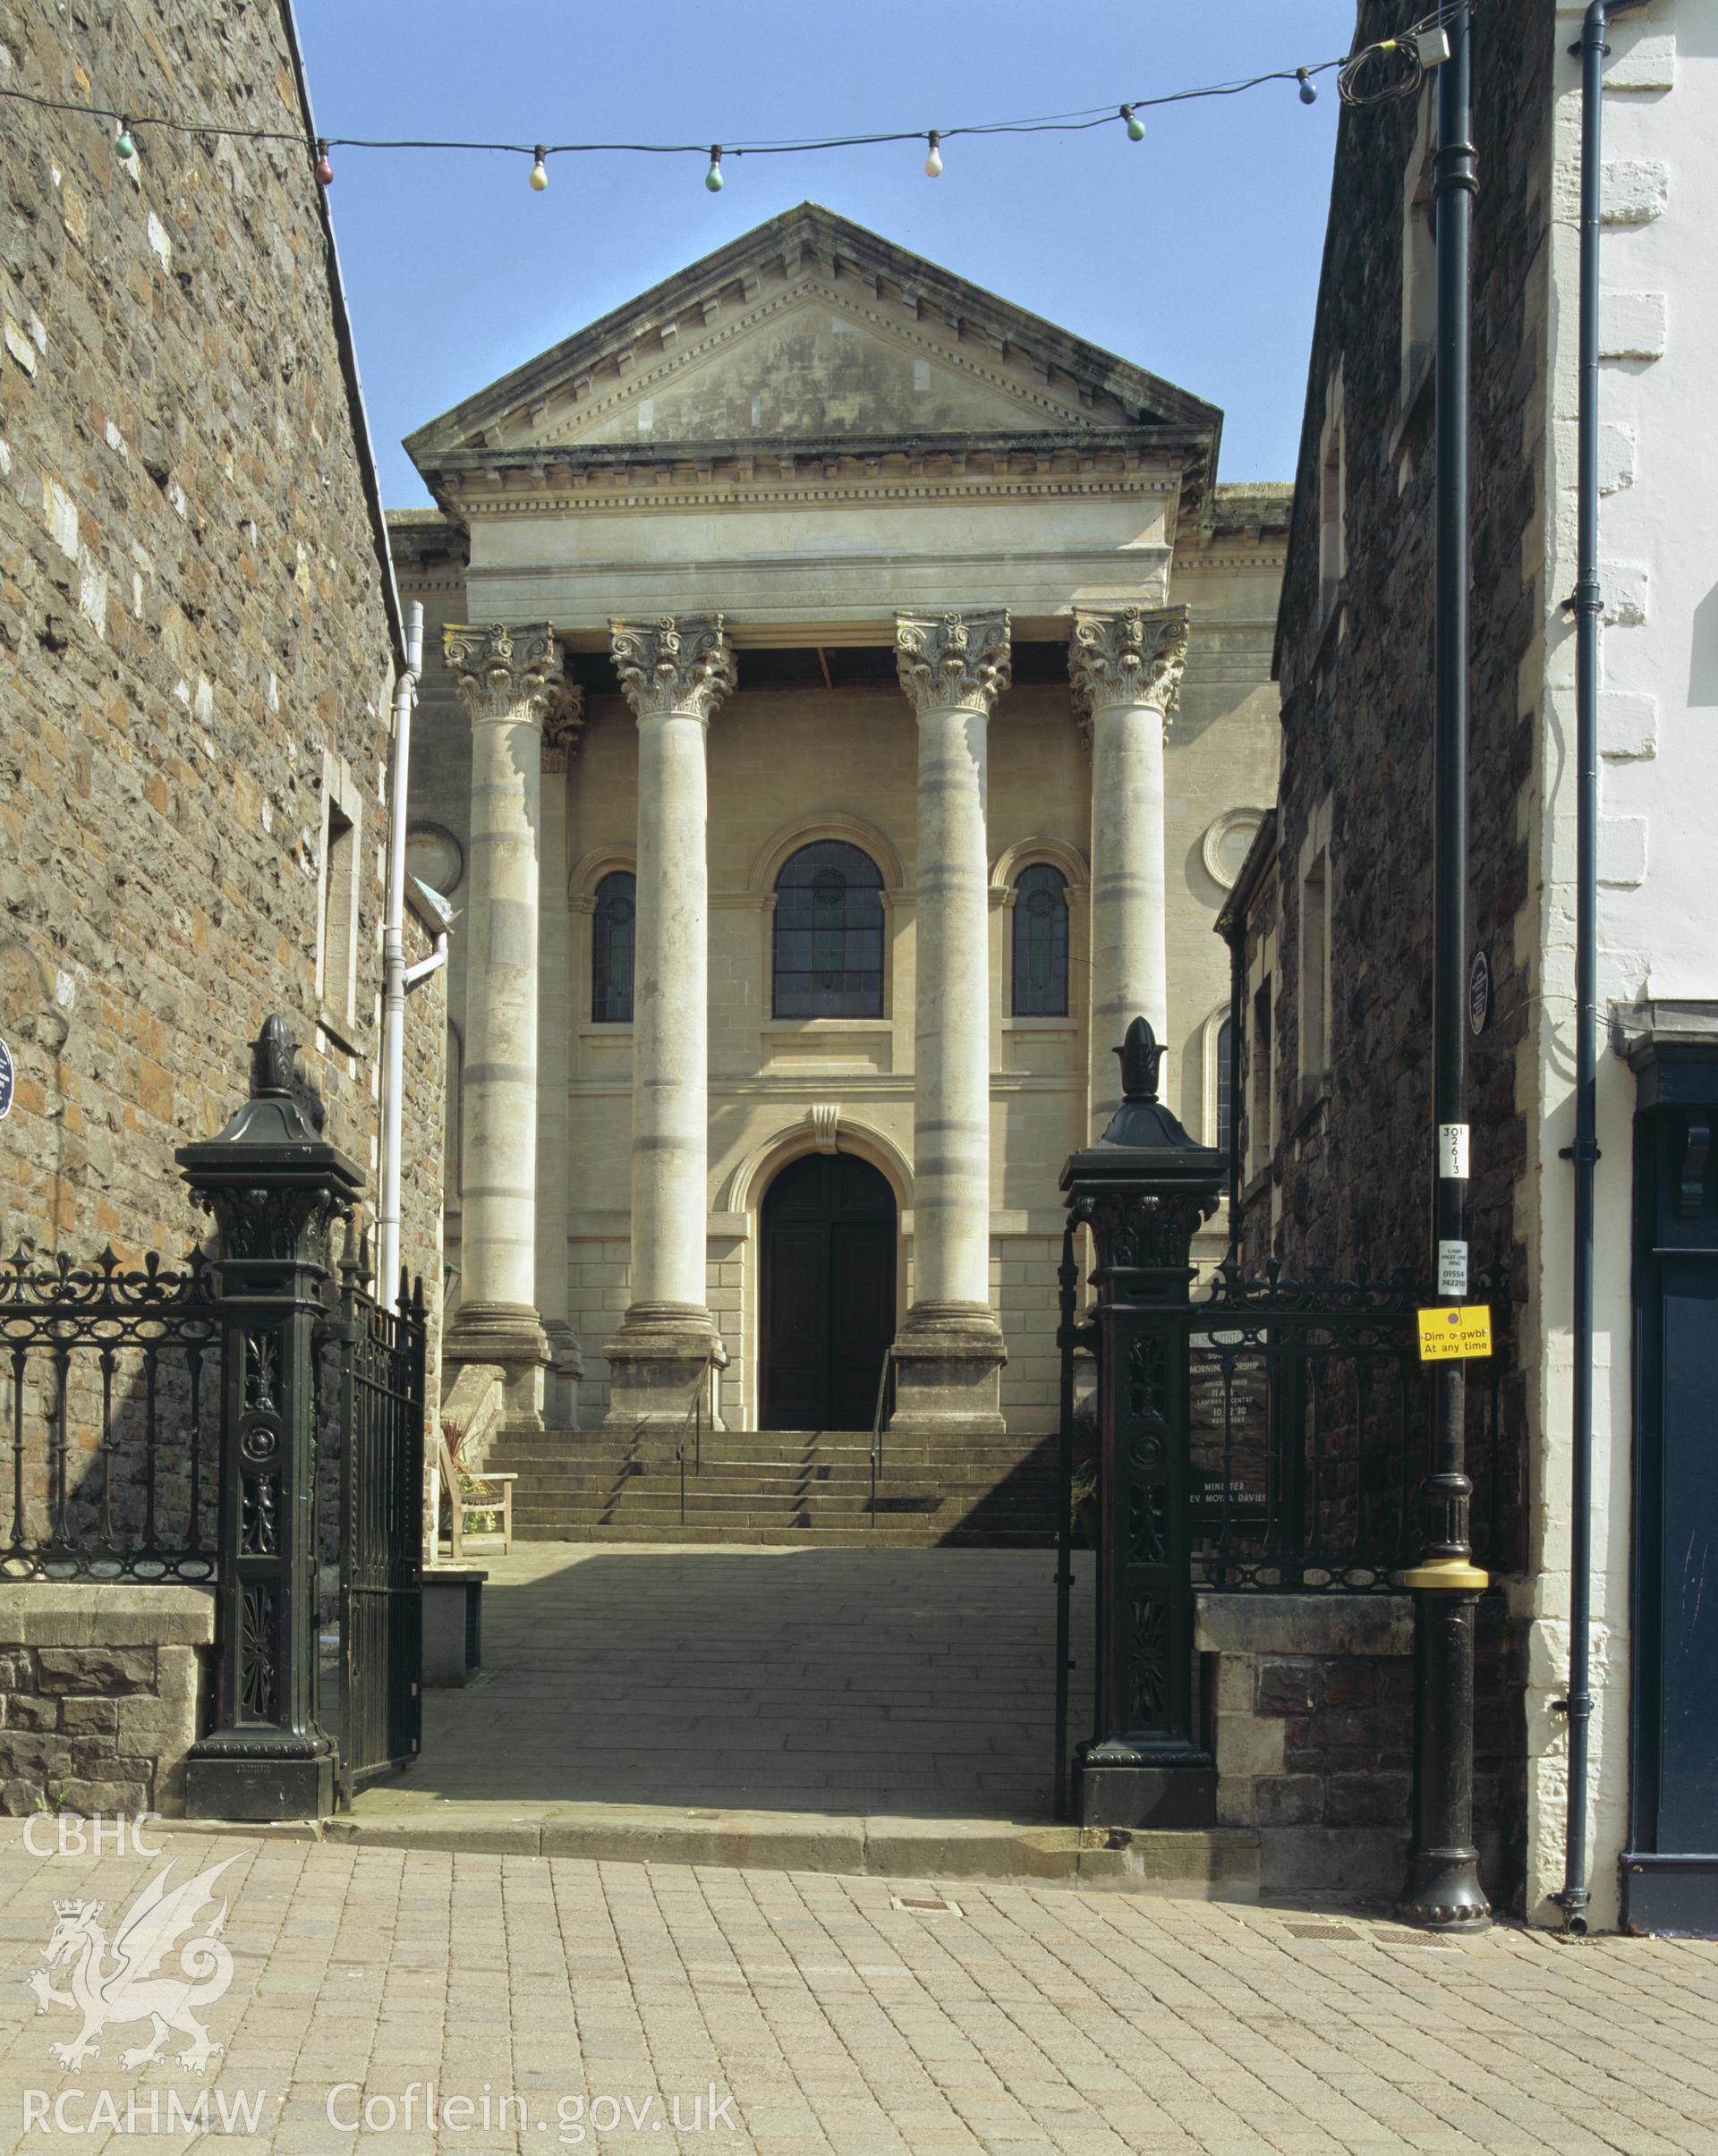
x,y
1135,125
713,177
933,163
539,171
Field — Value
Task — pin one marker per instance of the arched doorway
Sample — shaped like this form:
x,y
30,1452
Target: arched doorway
x,y
828,1299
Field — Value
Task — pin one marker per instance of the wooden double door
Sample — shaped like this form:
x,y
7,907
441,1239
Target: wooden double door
x,y
828,1292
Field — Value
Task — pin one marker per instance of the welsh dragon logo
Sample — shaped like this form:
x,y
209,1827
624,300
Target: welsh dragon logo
x,y
132,1988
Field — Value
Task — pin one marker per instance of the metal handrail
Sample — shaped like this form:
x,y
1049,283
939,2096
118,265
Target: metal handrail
x,y
694,1421
879,1414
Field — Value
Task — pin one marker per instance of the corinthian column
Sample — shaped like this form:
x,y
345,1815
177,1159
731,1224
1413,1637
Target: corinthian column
x,y
505,678
949,1353
674,673
562,725
1127,664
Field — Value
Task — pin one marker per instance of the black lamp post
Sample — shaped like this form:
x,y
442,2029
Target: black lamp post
x,y
1442,1889
274,1187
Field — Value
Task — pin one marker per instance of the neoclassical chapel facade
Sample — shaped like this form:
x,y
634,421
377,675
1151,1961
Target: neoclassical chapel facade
x,y
854,705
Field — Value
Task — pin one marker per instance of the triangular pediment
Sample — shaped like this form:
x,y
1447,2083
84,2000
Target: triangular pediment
x,y
809,329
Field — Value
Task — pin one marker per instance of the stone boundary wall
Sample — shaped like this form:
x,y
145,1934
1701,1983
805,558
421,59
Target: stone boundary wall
x,y
101,1696
1312,1707
1314,1715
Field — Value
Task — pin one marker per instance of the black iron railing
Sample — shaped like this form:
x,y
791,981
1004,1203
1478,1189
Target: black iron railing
x,y
110,1419
1310,1422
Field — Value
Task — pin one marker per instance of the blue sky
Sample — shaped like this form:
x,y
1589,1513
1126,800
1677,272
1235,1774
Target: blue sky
x,y
1194,253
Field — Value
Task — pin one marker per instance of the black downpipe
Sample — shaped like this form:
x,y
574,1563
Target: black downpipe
x,y
1586,606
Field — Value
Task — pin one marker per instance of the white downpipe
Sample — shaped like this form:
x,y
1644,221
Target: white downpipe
x,y
393,981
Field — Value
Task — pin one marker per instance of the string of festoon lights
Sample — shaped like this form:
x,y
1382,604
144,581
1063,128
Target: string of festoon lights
x,y
1374,73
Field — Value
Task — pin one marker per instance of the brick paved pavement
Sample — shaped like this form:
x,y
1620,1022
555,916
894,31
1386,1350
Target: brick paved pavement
x,y
1033,2019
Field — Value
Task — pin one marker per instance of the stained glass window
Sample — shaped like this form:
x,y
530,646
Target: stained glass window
x,y
1041,942
611,949
829,934
1225,1098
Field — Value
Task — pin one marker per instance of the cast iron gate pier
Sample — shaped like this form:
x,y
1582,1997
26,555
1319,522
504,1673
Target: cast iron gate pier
x,y
236,1423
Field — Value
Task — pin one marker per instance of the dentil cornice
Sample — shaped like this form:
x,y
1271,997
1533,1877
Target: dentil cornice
x,y
952,661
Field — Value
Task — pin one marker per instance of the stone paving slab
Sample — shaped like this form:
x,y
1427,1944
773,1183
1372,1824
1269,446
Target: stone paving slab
x,y
918,1682
819,2014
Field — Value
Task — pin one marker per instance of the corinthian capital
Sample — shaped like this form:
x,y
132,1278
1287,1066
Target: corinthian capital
x,y
1124,655
678,666
952,662
503,673
563,724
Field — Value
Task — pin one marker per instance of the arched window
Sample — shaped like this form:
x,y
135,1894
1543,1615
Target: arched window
x,y
1225,1096
828,936
611,949
1041,942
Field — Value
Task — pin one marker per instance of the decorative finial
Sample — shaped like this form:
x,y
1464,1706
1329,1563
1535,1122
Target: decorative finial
x,y
274,1059
1141,1056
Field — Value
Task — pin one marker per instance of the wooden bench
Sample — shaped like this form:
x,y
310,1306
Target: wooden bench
x,y
470,1493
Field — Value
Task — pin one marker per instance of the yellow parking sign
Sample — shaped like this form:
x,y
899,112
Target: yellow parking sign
x,y
1455,1335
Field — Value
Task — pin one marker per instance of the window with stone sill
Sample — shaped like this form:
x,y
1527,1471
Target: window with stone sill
x,y
1333,498
1315,1039
1041,942
613,930
336,927
827,957
1260,1102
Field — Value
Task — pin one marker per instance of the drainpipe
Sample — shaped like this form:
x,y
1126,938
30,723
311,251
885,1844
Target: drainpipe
x,y
1586,607
394,980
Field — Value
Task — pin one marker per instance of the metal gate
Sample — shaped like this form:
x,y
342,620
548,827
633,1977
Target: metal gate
x,y
381,1530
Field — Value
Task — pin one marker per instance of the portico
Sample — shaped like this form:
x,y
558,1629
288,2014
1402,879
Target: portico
x,y
853,571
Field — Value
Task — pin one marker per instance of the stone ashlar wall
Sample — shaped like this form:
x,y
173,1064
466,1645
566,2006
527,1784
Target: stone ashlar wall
x,y
194,649
102,1691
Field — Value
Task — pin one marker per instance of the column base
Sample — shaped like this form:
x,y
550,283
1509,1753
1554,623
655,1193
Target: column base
x,y
660,1354
949,1359
510,1335
1115,1786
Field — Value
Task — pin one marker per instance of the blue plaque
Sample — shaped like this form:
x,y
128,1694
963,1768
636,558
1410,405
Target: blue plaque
x,y
6,1077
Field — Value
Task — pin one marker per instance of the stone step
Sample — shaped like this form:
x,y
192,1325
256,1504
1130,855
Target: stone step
x,y
888,1534
792,1486
667,1505
772,1444
1213,1863
535,1479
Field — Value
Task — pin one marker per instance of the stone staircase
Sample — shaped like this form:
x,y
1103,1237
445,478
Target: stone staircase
x,y
798,1487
